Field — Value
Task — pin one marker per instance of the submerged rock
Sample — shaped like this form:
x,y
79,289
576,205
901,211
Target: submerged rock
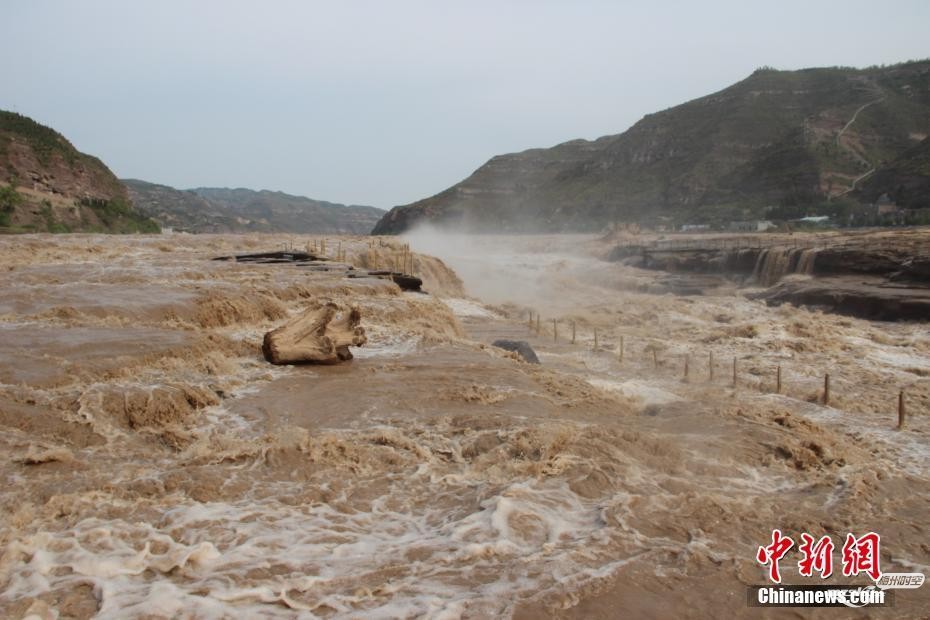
x,y
520,347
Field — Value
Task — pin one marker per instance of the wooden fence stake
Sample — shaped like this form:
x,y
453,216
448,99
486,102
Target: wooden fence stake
x,y
655,359
531,320
555,331
595,339
537,323
573,332
902,412
710,365
687,358
778,380
826,389
621,349
734,371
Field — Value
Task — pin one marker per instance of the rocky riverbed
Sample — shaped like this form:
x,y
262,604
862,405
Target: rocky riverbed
x,y
883,275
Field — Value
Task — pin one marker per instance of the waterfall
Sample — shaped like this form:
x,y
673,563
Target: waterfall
x,y
771,265
774,263
806,261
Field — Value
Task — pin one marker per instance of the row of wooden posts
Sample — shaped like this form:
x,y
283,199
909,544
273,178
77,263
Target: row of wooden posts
x,y
902,409
319,247
401,264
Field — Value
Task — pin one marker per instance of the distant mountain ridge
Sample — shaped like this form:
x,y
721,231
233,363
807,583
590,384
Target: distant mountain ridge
x,y
47,185
785,139
222,210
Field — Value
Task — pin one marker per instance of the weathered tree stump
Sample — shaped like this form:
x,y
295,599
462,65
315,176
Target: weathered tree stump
x,y
319,336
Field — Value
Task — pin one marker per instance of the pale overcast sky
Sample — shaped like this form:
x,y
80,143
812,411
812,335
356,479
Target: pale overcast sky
x,y
383,103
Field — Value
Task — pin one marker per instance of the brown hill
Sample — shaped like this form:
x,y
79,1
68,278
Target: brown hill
x,y
48,185
905,180
785,141
217,210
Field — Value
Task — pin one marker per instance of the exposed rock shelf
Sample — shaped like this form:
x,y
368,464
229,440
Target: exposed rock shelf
x,y
767,265
877,300
884,276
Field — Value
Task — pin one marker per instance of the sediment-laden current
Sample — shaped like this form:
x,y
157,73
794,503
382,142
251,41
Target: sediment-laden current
x,y
155,465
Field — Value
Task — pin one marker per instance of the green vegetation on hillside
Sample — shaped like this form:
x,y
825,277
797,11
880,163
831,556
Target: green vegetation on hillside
x,y
905,180
118,216
43,140
66,190
9,200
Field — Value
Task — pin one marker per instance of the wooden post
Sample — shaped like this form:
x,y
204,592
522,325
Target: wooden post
x,y
621,348
595,339
531,320
826,389
902,413
537,323
710,366
655,359
778,380
687,358
555,331
734,371
573,332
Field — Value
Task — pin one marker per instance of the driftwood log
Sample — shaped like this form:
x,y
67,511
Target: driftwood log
x,y
319,336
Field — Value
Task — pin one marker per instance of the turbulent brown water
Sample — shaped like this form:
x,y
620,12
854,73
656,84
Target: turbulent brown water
x,y
774,263
155,466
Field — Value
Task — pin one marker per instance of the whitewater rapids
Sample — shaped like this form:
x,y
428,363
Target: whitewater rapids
x,y
155,466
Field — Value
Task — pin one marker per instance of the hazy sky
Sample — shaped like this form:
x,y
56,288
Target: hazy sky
x,y
383,103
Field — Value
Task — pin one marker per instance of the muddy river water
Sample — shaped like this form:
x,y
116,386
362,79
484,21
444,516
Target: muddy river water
x,y
154,465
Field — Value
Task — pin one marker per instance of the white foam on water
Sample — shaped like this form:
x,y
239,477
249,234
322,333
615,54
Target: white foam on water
x,y
911,451
907,450
648,394
213,558
467,308
901,360
386,344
